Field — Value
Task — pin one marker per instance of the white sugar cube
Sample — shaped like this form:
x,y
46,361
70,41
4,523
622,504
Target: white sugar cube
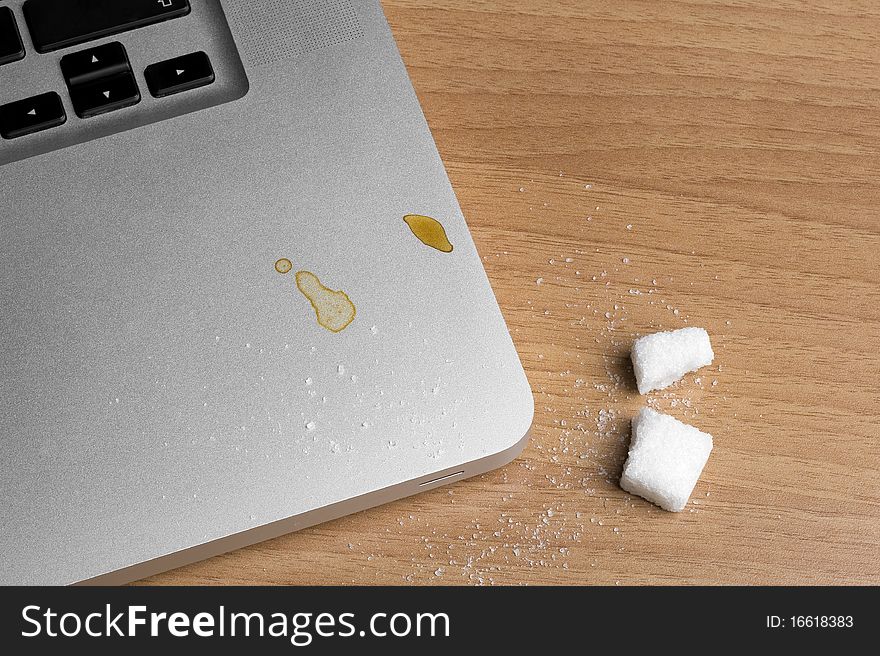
x,y
663,358
665,459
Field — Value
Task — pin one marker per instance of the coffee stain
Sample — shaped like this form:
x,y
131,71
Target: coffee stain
x,y
283,265
334,309
429,231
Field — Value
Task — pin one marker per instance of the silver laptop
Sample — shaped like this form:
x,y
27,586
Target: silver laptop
x,y
238,296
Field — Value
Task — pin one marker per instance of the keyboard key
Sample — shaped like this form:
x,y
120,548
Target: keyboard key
x,y
31,115
179,74
56,24
89,65
104,95
11,48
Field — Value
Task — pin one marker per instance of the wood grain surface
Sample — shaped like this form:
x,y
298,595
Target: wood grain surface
x,y
625,167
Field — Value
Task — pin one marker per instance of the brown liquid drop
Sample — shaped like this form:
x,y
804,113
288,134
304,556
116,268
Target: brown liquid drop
x,y
429,231
283,265
334,309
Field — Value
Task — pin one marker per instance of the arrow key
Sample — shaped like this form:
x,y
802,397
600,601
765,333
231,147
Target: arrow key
x,y
179,74
104,95
88,65
30,115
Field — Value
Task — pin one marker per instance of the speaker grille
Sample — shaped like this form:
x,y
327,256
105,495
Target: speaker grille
x,y
269,31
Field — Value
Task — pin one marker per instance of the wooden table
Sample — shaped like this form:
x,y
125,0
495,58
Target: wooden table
x,y
625,167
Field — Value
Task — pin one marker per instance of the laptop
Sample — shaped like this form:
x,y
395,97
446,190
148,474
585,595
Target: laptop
x,y
238,295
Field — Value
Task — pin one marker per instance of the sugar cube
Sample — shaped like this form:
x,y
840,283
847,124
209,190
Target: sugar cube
x,y
665,459
663,358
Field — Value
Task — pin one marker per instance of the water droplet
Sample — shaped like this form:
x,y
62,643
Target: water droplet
x,y
429,231
283,265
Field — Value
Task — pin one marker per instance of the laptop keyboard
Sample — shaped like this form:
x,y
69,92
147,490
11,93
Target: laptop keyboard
x,y
99,79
